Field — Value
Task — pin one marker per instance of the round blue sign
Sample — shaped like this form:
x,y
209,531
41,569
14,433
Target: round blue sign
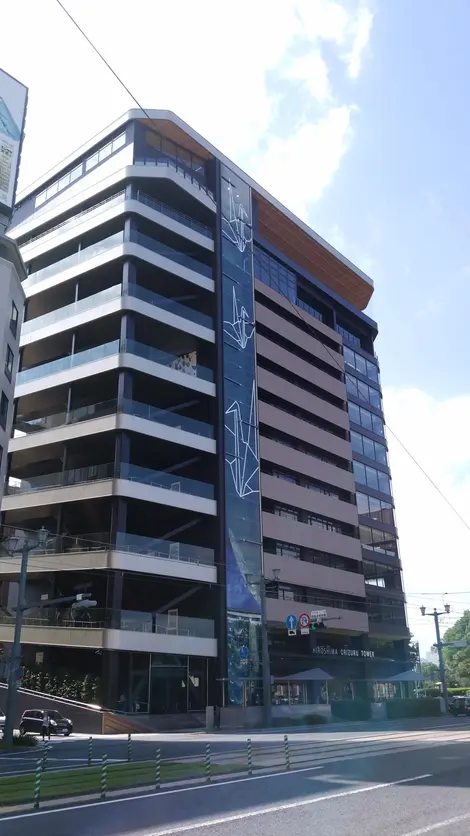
x,y
244,653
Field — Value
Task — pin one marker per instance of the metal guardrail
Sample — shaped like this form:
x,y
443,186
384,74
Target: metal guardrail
x,y
99,776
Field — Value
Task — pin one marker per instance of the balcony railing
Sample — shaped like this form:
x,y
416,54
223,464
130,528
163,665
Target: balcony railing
x,y
66,478
168,481
109,294
77,219
89,355
165,549
128,620
80,306
164,358
170,162
181,217
170,253
74,259
111,407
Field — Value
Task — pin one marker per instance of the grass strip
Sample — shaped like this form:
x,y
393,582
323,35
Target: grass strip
x,y
19,789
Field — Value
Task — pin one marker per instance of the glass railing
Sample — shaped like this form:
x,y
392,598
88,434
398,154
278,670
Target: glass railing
x,y
66,478
170,419
170,253
70,310
165,549
69,362
168,481
170,625
170,305
77,219
74,259
100,410
175,214
99,619
171,162
180,364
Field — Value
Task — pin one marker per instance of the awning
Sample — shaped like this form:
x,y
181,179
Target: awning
x,y
406,676
313,675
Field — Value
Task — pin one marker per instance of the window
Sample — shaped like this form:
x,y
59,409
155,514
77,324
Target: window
x,y
308,308
361,390
347,335
366,447
285,477
365,418
322,522
287,550
10,358
91,161
371,477
360,364
271,272
289,513
375,508
14,319
378,541
3,410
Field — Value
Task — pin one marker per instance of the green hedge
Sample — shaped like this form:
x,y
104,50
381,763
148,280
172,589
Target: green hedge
x,y
62,683
351,709
399,709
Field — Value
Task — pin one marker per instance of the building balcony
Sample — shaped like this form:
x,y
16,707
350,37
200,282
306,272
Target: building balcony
x,y
131,553
112,355
102,480
109,416
288,530
115,630
313,575
343,619
112,300
117,245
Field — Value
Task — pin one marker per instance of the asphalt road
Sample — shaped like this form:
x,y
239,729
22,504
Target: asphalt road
x,y
394,783
69,753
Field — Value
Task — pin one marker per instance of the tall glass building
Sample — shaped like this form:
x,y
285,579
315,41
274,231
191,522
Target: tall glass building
x,y
199,426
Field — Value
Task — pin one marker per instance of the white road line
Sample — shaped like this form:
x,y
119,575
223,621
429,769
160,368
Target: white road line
x,y
430,827
186,828
176,791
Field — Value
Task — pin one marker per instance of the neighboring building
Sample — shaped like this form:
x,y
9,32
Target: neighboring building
x,y
12,273
198,397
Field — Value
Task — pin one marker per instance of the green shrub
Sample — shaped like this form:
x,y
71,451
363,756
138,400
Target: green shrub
x,y
351,709
314,720
399,709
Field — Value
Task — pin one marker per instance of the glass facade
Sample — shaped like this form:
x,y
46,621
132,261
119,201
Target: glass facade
x,y
241,444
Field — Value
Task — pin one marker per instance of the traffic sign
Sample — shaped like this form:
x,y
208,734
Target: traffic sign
x,y
304,631
304,619
316,614
244,652
291,622
291,632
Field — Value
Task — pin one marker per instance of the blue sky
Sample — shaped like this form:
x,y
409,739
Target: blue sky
x,y
354,114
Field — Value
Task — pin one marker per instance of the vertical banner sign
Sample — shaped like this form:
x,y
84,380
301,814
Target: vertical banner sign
x,y
241,441
13,98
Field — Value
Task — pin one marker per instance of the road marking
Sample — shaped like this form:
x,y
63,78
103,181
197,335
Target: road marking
x,y
251,814
430,827
139,797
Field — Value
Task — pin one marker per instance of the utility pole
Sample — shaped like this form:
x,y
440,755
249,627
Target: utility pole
x,y
435,615
15,657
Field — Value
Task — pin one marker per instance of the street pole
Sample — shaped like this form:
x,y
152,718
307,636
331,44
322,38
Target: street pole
x,y
15,656
439,646
267,690
442,669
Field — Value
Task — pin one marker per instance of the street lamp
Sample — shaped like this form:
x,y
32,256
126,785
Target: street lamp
x,y
24,548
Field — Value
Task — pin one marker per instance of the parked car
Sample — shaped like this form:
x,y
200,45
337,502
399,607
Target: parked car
x,y
31,722
459,705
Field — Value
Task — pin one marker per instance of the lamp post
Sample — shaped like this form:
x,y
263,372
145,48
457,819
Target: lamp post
x,y
435,615
15,656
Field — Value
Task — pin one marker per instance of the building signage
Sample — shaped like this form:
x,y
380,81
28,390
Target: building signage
x,y
342,651
13,98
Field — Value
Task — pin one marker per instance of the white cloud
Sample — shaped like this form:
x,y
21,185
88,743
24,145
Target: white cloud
x,y
434,543
361,27
217,68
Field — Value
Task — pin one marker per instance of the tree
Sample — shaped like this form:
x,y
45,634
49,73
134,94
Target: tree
x,y
458,659
427,671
